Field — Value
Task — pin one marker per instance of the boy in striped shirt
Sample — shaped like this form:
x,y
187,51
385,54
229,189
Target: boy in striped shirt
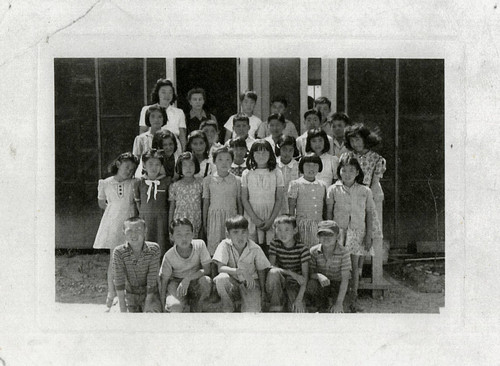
x,y
135,267
330,269
290,267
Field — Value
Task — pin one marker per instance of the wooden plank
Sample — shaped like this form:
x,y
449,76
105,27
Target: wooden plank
x,y
430,246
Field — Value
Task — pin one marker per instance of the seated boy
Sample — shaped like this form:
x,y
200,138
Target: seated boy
x,y
278,106
241,127
135,269
290,271
182,273
339,121
239,148
248,100
312,120
242,268
330,271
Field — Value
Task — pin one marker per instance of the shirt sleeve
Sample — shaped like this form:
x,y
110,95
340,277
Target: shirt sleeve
x,y
313,267
101,195
181,118
206,187
272,248
280,182
293,189
261,262
229,124
380,167
154,267
173,192
330,198
238,186
204,254
136,150
244,178
262,130
335,165
305,256
142,116
221,254
166,268
345,269
118,271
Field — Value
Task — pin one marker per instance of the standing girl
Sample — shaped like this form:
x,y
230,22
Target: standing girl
x,y
199,146
306,198
155,119
288,165
151,199
318,143
185,194
262,190
165,141
116,197
360,141
350,204
221,198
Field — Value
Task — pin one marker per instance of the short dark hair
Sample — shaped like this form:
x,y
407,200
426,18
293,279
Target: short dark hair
x,y
317,132
236,222
288,220
179,222
135,219
312,111
222,150
323,100
370,139
198,134
238,142
289,141
155,98
349,159
209,122
341,116
259,145
310,158
280,99
277,116
196,90
113,168
153,154
248,94
241,117
155,108
159,136
187,156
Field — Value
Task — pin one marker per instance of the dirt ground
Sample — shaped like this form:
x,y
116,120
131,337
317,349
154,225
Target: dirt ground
x,y
81,279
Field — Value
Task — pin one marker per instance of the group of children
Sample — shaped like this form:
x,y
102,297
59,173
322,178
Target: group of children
x,y
285,218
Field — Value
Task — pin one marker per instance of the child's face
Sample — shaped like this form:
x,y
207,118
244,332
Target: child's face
x,y
317,145
197,101
277,107
239,154
223,162
156,120
276,127
241,128
338,127
357,143
166,94
286,154
239,237
125,169
247,106
285,232
134,232
324,109
168,146
348,174
327,239
188,168
182,236
261,158
211,133
312,121
152,167
310,170
198,146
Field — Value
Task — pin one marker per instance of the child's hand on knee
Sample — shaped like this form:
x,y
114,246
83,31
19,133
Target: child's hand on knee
x,y
183,287
323,280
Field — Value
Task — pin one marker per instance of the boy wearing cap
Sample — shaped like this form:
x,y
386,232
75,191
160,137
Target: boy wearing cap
x,y
330,270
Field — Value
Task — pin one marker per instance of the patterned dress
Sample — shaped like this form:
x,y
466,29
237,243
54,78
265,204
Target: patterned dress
x,y
310,198
223,194
187,197
290,172
120,206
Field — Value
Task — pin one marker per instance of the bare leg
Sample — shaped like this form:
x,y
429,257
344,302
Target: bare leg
x,y
361,260
111,285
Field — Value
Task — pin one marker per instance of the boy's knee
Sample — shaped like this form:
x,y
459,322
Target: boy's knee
x,y
221,279
174,308
205,284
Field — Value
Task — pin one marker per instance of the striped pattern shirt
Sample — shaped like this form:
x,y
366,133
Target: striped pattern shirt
x,y
136,274
289,258
335,268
